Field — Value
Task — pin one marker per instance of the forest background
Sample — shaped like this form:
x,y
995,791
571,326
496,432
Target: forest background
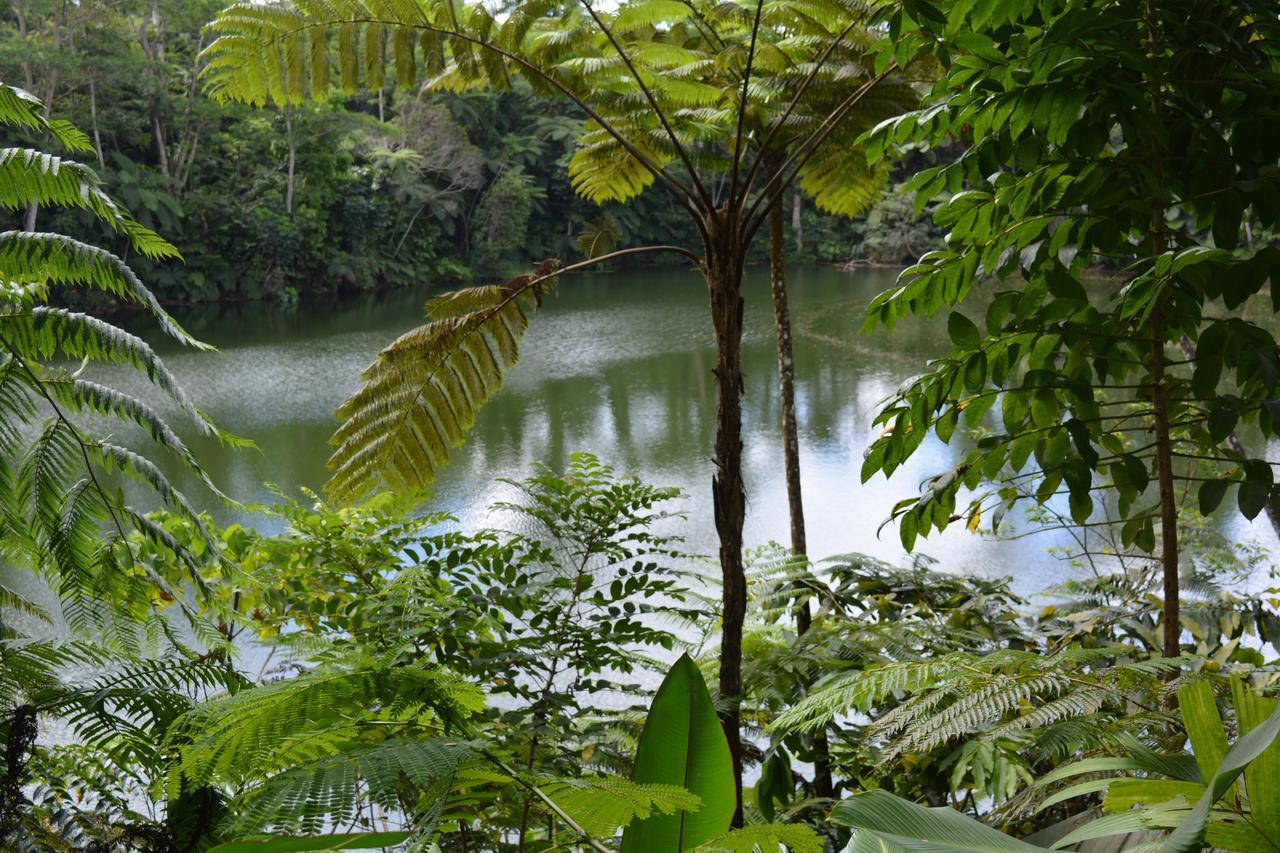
x,y
359,193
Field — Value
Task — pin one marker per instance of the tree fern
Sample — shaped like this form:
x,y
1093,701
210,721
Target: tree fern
x,y
603,805
421,395
64,520
267,729
327,791
60,500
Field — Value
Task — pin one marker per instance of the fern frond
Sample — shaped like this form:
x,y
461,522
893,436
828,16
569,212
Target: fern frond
x,y
422,394
327,791
46,332
251,731
766,838
58,259
859,691
20,108
28,176
603,805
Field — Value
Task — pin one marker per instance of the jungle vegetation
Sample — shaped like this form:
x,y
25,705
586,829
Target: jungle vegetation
x,y
286,204
375,676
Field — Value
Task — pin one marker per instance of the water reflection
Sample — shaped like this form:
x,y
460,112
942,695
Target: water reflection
x,y
617,364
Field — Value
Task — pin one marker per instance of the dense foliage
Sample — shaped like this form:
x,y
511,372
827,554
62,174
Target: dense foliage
x,y
354,193
372,675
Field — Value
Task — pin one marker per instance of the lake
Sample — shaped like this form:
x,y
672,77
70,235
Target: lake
x,y
618,364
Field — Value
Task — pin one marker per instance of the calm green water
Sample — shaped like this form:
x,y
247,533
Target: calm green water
x,y
619,365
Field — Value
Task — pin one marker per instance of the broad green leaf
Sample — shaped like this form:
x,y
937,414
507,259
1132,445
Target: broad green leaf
x,y
683,744
1136,820
1090,765
886,822
1262,777
1211,494
963,332
1199,710
1124,794
1189,836
290,844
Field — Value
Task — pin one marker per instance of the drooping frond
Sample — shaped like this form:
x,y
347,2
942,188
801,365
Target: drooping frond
x,y
20,108
421,395
28,176
123,707
64,515
48,332
603,805
42,258
271,728
328,790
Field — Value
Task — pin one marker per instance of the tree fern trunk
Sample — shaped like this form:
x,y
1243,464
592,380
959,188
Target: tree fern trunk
x,y
723,272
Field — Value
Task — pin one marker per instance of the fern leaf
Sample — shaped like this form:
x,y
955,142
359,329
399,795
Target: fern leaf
x,y
252,731
20,108
421,395
766,838
34,177
55,258
603,805
326,791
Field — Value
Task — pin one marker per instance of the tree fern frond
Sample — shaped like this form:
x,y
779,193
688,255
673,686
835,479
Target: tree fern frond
x,y
841,182
859,691
56,258
28,176
20,108
602,805
421,395
236,736
47,332
326,791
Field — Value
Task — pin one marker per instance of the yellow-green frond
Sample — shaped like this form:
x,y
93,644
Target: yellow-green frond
x,y
422,394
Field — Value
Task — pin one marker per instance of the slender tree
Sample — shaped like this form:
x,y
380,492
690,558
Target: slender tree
x,y
422,393
1090,127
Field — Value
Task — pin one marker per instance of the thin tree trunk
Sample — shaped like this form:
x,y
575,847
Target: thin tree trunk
x,y
1160,390
93,117
797,224
786,381
822,782
28,76
724,282
293,157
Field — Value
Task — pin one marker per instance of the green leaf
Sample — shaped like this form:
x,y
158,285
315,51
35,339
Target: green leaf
x,y
289,844
1199,710
1189,836
1211,495
1222,422
963,332
683,744
885,822
1262,777
1252,498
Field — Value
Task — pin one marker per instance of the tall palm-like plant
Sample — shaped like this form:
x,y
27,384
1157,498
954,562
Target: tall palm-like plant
x,y
422,393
